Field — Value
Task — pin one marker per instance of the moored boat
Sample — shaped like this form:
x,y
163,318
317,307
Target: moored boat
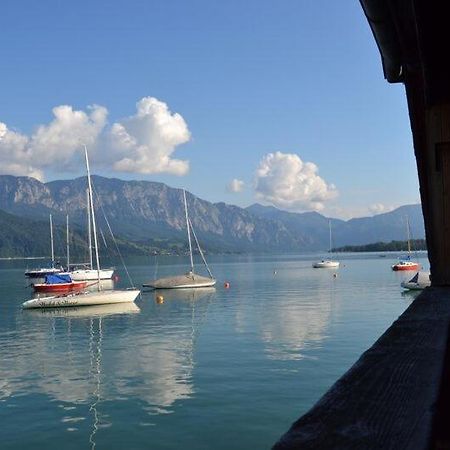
x,y
419,281
59,283
189,279
86,298
326,264
41,272
83,298
406,264
87,274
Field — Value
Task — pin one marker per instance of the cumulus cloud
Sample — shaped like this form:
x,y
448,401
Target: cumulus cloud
x,y
145,141
15,157
287,182
235,185
142,143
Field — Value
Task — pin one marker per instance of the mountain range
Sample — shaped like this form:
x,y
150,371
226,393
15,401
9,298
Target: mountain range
x,y
149,216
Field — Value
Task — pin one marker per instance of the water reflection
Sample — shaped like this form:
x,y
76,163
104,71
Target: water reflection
x,y
290,328
91,355
165,358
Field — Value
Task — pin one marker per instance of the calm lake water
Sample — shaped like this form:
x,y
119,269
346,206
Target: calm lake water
x,y
213,369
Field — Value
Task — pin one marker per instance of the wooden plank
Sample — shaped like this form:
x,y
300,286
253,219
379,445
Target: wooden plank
x,y
387,400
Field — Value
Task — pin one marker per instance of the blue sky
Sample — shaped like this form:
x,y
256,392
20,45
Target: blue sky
x,y
249,79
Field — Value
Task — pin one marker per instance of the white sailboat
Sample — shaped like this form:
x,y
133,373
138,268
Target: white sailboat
x,y
86,298
42,271
189,279
327,263
419,281
86,272
405,263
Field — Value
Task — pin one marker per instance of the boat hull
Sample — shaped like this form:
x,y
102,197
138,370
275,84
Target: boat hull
x,y
59,287
186,281
401,267
419,281
90,275
83,299
41,273
326,265
80,312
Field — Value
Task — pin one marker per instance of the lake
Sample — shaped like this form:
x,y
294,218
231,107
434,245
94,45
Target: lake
x,y
207,369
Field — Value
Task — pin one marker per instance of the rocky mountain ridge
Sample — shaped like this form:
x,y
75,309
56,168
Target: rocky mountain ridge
x,y
145,211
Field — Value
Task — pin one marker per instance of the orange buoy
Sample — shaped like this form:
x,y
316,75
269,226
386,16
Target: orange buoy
x,y
226,285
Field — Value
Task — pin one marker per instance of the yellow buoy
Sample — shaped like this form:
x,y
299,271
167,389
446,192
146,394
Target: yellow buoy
x,y
159,299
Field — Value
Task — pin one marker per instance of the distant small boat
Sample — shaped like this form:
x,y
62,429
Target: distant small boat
x,y
419,281
59,283
189,279
327,263
405,263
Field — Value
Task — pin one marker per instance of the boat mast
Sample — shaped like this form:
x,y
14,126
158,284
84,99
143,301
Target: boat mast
x,y
67,241
408,234
94,229
329,227
188,231
88,203
51,241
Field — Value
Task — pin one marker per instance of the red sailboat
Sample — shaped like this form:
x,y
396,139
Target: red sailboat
x,y
59,283
405,263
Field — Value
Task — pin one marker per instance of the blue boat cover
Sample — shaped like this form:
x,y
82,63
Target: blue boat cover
x,y
57,279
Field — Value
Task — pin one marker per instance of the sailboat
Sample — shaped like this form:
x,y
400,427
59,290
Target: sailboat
x,y
327,263
189,279
419,281
43,271
87,272
86,298
62,281
405,263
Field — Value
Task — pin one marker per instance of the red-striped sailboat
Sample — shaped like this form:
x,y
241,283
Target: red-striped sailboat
x,y
59,283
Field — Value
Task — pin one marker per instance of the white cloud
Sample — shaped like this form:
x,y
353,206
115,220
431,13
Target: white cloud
x,y
142,143
379,208
287,182
57,142
235,185
15,155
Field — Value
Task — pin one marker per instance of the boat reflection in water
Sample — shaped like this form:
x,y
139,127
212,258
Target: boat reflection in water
x,y
75,377
95,362
181,294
